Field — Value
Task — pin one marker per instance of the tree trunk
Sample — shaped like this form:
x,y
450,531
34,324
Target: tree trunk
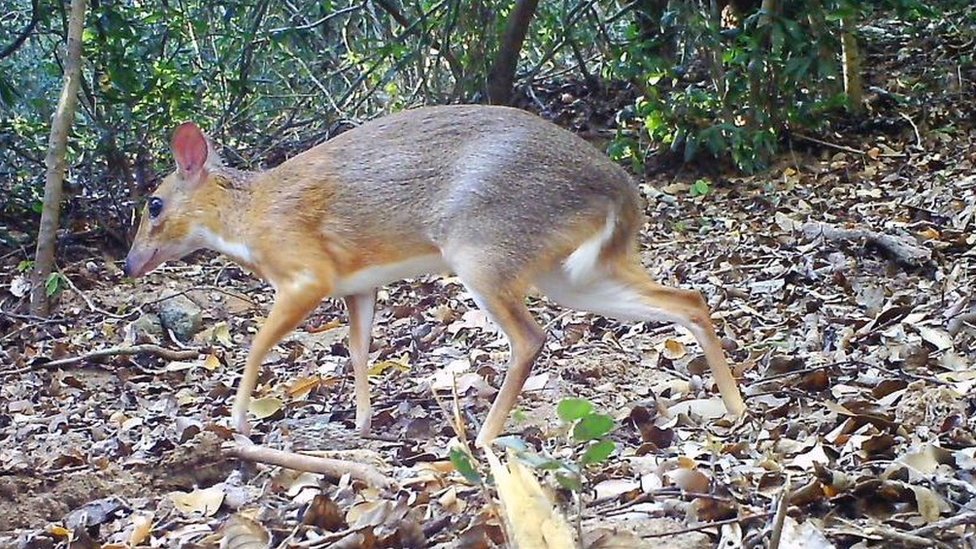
x,y
758,69
48,231
501,77
853,85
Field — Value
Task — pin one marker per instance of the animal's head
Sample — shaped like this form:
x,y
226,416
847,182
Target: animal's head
x,y
179,216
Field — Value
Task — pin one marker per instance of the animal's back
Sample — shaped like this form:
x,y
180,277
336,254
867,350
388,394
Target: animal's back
x,y
495,178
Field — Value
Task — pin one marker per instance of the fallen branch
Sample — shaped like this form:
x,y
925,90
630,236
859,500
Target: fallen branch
x,y
903,249
332,468
147,348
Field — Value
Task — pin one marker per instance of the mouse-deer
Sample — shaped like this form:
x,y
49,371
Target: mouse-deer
x,y
502,198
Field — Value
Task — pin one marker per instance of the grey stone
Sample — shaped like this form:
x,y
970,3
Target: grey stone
x,y
182,316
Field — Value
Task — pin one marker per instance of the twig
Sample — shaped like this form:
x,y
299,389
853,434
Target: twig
x,y
828,144
91,306
333,468
918,136
780,518
906,538
707,525
147,348
903,249
945,524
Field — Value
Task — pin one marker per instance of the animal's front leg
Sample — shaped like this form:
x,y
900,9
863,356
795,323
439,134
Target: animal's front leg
x,y
361,309
292,305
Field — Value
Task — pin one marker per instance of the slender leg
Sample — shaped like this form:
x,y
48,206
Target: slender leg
x,y
290,308
628,293
361,309
525,338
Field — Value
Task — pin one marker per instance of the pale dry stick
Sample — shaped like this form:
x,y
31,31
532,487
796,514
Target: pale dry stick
x,y
145,348
918,136
706,525
780,518
333,468
176,341
843,147
91,305
945,524
905,538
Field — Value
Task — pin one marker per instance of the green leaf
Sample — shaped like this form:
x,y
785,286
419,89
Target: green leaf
x,y
599,452
53,284
572,409
592,427
569,482
462,462
700,187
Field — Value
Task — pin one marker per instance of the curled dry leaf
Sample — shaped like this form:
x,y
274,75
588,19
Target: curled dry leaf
x,y
674,349
205,501
689,480
324,513
802,536
532,519
142,523
241,532
929,503
265,407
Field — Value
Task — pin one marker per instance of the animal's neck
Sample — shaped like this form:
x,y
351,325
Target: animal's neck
x,y
232,232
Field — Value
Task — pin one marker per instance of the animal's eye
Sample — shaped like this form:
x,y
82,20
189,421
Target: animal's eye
x,y
155,206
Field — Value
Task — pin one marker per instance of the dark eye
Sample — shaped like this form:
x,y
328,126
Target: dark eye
x,y
155,206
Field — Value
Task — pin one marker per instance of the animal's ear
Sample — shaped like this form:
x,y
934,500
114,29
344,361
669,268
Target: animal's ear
x,y
190,149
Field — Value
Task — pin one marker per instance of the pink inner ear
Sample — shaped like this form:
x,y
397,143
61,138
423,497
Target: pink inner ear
x,y
189,148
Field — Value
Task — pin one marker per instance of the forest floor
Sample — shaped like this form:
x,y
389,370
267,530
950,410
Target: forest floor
x,y
841,280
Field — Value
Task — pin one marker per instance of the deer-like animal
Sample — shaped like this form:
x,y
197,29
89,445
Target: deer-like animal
x,y
502,198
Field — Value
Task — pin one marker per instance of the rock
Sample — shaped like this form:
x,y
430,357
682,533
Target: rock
x,y
182,316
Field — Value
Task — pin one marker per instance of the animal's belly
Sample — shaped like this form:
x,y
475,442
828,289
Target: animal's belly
x,y
373,277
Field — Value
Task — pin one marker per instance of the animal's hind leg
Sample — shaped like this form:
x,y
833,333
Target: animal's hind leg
x,y
626,292
504,302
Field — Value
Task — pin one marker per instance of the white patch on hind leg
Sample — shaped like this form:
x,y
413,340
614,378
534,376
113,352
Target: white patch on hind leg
x,y
607,297
582,265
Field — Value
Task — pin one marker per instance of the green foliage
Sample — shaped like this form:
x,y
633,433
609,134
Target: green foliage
x,y
592,427
729,92
54,284
573,409
465,465
586,431
700,187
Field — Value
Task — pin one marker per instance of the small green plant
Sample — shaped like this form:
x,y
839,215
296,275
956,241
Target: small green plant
x,y
464,464
586,432
54,284
700,187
